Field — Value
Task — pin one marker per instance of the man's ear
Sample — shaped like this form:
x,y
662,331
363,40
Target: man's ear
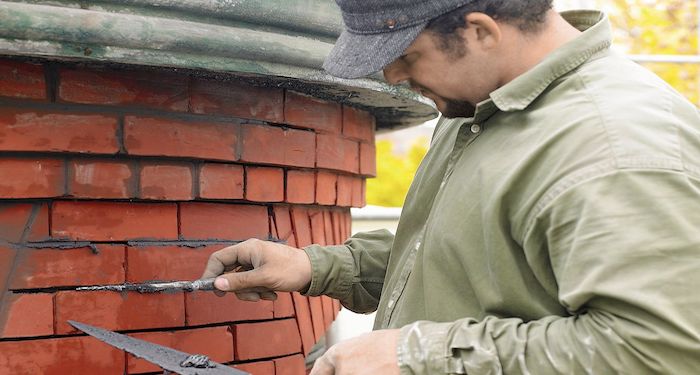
x,y
482,30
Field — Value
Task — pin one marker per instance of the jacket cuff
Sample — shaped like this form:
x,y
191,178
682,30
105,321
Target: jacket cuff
x,y
422,348
331,271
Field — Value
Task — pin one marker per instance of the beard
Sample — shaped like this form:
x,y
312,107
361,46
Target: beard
x,y
456,108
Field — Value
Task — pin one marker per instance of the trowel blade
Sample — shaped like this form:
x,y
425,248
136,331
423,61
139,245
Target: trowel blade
x,y
163,356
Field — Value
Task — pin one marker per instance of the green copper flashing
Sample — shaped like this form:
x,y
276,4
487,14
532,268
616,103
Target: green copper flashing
x,y
280,43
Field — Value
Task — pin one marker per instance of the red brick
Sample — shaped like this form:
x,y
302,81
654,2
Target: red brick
x,y
264,184
25,130
143,89
7,261
166,137
316,307
301,186
345,184
236,99
280,337
303,315
302,110
221,181
223,221
328,228
110,221
358,124
100,179
19,79
119,311
27,315
214,342
45,268
318,233
292,365
336,218
327,305
59,356
166,181
368,159
207,308
257,368
31,178
302,226
334,152
336,308
147,263
358,192
24,219
347,228
284,307
283,224
275,145
326,183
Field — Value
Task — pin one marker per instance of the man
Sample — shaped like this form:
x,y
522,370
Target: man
x,y
554,225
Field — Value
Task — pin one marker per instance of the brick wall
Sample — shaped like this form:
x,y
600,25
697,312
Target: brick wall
x,y
113,175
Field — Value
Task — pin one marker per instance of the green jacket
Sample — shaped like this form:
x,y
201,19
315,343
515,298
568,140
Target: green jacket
x,y
556,232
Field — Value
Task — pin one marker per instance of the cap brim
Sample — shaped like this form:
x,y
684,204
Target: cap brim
x,y
359,55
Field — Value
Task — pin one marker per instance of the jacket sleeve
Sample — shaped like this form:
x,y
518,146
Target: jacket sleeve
x,y
353,272
624,249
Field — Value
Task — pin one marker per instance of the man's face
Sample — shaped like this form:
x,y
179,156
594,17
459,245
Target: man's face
x,y
455,82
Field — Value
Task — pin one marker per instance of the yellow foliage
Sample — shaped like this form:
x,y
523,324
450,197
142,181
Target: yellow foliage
x,y
394,173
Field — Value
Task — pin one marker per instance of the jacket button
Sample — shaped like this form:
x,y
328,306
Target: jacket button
x,y
475,128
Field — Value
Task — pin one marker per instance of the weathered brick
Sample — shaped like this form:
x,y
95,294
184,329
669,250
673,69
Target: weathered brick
x,y
32,130
283,225
116,311
147,263
214,342
60,356
309,112
318,233
24,222
368,159
338,153
328,229
264,184
236,99
257,368
26,315
110,221
207,308
221,181
223,221
7,261
100,179
291,365
125,88
326,188
302,226
31,178
358,124
301,186
166,181
336,308
345,184
284,307
303,316
281,337
327,305
316,307
336,218
177,138
275,145
23,80
46,268
358,192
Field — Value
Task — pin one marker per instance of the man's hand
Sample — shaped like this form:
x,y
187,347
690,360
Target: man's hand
x,y
255,269
371,353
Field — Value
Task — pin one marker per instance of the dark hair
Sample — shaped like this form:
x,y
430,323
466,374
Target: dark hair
x,y
527,15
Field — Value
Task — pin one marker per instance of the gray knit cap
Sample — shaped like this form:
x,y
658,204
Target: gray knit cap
x,y
377,32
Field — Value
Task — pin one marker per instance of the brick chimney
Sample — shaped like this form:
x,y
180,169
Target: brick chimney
x,y
113,174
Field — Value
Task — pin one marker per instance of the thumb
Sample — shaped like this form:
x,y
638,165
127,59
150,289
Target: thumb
x,y
234,281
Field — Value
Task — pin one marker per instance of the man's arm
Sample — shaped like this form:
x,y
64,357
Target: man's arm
x,y
625,251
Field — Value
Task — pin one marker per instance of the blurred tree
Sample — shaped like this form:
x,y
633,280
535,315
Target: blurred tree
x,y
394,173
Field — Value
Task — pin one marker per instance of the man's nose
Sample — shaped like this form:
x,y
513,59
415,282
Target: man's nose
x,y
395,73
